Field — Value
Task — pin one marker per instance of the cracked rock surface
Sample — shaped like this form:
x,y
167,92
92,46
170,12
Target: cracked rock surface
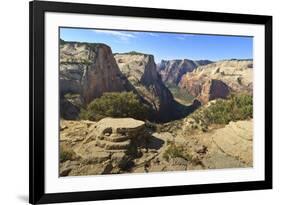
x,y
126,145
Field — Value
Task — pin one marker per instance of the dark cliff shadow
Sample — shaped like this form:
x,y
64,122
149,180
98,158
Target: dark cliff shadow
x,y
176,111
154,143
182,111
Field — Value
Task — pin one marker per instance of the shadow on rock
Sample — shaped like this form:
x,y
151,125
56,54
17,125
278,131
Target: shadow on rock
x,y
181,111
154,143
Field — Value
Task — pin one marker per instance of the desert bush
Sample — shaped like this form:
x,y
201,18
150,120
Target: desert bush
x,y
90,45
66,154
174,151
115,104
236,107
154,127
134,53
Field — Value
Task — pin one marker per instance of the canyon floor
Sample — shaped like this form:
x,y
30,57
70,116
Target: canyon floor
x,y
126,145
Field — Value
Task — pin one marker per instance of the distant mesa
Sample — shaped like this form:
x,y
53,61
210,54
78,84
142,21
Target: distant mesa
x,y
171,71
217,80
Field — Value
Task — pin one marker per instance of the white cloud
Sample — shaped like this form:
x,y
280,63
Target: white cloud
x,y
119,34
152,34
184,37
180,37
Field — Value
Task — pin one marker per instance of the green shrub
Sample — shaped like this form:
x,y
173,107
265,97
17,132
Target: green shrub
x,y
90,45
66,154
134,53
237,107
174,151
154,127
115,104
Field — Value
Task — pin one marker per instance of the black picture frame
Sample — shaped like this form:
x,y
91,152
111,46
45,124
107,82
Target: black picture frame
x,y
37,194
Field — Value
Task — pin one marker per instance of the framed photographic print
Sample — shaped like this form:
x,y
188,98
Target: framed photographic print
x,y
141,102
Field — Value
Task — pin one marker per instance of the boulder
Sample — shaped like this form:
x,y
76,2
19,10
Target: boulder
x,y
119,133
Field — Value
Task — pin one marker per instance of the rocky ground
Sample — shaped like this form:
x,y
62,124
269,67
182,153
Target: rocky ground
x,y
126,145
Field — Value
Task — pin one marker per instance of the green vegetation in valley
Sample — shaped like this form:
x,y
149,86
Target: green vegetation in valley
x,y
115,104
181,95
236,107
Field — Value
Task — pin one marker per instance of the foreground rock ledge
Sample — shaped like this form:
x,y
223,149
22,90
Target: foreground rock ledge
x,y
106,146
118,125
119,133
126,145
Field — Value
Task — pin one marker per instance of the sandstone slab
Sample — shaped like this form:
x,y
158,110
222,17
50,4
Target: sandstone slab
x,y
235,140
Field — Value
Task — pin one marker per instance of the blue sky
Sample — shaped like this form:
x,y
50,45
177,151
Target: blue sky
x,y
166,46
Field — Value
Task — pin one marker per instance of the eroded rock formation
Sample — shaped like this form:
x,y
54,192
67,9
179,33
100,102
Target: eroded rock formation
x,y
89,70
213,89
107,146
172,71
140,69
216,80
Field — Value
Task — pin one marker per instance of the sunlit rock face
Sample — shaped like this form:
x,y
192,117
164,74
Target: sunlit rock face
x,y
217,80
171,71
86,72
89,70
140,70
